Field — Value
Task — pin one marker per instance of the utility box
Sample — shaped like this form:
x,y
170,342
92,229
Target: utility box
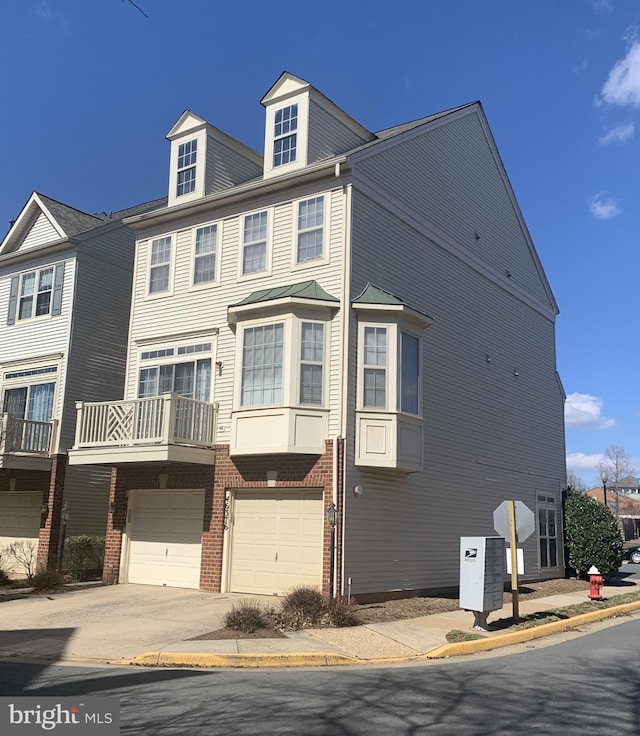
x,y
482,571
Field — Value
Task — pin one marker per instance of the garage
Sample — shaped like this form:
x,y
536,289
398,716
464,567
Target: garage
x,y
276,540
165,537
19,520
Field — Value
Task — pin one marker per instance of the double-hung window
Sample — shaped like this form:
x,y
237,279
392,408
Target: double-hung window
x,y
160,265
285,139
187,155
35,293
205,254
262,363
375,368
310,229
254,243
311,362
548,531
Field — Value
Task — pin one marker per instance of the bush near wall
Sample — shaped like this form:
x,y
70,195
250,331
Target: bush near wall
x,y
592,535
83,556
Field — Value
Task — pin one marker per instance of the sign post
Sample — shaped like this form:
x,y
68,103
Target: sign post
x,y
513,541
514,521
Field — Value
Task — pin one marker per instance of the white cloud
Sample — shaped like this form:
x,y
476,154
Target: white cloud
x,y
579,462
623,83
604,6
585,411
618,134
603,206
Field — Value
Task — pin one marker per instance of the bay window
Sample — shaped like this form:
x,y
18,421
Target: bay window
x,y
262,356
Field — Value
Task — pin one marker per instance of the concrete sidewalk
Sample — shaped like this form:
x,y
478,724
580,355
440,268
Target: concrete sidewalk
x,y
376,643
144,625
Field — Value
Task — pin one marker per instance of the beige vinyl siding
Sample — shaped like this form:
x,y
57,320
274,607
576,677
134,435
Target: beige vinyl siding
x,y
30,339
226,167
188,309
328,135
489,435
41,232
86,492
449,177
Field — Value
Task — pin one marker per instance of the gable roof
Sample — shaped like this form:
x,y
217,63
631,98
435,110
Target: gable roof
x,y
62,220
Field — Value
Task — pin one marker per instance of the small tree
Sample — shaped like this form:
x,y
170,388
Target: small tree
x,y
592,535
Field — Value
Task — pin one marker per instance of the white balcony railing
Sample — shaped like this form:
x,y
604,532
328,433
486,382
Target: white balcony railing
x,y
163,420
25,436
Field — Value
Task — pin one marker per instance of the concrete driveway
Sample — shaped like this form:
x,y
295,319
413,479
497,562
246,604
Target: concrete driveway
x,y
109,622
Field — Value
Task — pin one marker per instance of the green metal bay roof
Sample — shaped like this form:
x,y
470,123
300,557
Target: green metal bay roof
x,y
303,290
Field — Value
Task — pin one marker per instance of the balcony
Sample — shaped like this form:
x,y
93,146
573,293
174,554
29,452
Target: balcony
x,y
167,428
25,444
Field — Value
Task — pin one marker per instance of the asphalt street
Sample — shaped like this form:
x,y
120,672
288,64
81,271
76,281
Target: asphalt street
x,y
586,685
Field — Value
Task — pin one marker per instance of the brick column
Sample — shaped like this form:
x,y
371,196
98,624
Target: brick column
x,y
49,535
116,522
214,520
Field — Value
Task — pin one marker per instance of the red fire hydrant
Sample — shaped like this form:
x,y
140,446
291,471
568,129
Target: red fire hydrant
x,y
596,581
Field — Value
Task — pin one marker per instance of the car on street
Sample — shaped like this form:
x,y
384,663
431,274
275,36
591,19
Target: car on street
x,y
632,554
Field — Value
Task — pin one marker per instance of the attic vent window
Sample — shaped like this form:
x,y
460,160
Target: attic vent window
x,y
187,154
285,136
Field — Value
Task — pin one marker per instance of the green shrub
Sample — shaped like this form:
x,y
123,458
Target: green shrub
x,y
342,612
592,535
83,556
247,616
48,579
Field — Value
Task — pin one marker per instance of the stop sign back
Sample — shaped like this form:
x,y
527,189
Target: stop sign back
x,y
525,520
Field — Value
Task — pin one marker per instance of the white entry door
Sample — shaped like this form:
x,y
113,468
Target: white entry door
x,y
165,537
276,540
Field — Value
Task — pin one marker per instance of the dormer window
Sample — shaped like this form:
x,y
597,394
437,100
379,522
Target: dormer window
x,y
285,138
187,154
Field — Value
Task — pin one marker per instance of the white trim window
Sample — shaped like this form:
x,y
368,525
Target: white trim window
x,y
159,265
548,531
285,138
262,364
191,379
187,156
36,288
375,367
254,243
310,229
205,255
311,362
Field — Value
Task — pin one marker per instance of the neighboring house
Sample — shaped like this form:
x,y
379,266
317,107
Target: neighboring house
x,y
629,484
65,287
624,503
359,319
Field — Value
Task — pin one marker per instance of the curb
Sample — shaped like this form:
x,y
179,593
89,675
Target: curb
x,y
195,659
535,632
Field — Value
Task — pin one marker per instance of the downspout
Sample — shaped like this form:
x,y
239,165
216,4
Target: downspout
x,y
345,307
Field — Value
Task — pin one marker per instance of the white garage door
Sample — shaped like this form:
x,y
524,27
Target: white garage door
x,y
19,520
276,541
165,538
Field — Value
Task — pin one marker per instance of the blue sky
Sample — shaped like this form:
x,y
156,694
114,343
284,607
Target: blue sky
x,y
91,87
